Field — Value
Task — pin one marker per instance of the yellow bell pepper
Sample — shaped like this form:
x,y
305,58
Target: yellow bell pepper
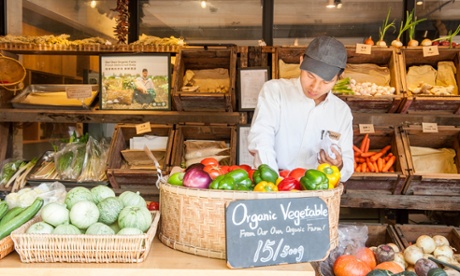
x,y
265,186
332,173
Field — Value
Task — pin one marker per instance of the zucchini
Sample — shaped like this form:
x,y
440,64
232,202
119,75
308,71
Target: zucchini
x,y
11,214
21,218
3,209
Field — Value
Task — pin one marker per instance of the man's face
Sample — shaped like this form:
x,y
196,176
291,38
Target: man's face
x,y
314,87
145,74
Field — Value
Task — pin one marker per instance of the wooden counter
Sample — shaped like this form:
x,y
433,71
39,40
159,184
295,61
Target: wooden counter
x,y
161,260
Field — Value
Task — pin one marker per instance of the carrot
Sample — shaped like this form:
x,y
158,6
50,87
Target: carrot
x,y
374,163
380,153
355,165
389,163
380,164
369,165
368,154
368,144
358,168
360,159
356,149
364,167
363,142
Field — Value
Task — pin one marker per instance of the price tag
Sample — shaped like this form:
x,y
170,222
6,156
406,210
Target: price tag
x,y
366,128
79,92
263,232
143,128
363,49
430,51
429,127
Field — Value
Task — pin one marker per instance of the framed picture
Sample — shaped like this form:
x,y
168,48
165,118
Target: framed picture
x,y
243,154
251,80
135,81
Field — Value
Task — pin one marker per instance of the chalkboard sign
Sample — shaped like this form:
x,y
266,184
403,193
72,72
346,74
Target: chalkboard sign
x,y
264,232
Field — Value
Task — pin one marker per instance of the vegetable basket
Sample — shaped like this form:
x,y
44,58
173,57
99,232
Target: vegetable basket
x,y
193,220
6,247
50,248
12,73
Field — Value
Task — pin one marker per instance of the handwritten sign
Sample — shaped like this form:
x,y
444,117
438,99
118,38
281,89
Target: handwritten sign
x,y
429,51
143,128
264,232
363,49
79,92
366,128
429,127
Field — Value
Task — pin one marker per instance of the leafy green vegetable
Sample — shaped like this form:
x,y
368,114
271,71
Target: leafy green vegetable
x,y
342,86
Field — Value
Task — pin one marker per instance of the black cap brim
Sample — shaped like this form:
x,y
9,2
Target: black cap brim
x,y
325,71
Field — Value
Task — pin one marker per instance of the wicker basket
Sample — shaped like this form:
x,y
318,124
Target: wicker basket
x,y
193,220
12,73
49,248
6,246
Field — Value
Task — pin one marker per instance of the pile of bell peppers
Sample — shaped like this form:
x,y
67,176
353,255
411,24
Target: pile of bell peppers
x,y
266,179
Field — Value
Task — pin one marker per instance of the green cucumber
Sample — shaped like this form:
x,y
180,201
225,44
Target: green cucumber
x,y
3,209
11,214
21,218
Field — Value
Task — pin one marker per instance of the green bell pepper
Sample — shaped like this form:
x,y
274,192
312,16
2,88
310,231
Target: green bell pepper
x,y
265,173
234,180
314,180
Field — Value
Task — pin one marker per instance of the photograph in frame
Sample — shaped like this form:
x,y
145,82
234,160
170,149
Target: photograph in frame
x,y
251,80
135,82
243,154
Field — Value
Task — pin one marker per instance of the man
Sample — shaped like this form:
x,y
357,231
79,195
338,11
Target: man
x,y
144,92
299,122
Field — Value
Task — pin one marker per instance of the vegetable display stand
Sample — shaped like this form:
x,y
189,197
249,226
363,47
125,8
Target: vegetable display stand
x,y
223,133
379,182
193,220
427,181
429,102
408,234
6,247
81,248
141,172
286,62
204,79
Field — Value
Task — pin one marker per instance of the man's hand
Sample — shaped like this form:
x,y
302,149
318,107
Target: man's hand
x,y
324,158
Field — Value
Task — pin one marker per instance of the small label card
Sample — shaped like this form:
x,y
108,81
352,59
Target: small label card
x,y
79,92
429,127
363,49
143,128
430,51
366,128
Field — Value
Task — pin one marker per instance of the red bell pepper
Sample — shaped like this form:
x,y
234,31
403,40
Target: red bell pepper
x,y
288,184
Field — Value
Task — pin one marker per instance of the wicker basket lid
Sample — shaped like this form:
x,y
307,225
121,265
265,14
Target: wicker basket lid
x,y
12,72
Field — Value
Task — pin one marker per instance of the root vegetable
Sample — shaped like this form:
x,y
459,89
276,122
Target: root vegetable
x,y
412,254
399,258
440,240
396,43
412,43
381,43
426,42
384,253
426,243
392,245
443,250
422,266
369,41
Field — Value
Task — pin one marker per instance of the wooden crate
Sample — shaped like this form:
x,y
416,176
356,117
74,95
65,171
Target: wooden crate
x,y
408,233
383,183
429,104
200,59
440,184
201,132
384,57
120,175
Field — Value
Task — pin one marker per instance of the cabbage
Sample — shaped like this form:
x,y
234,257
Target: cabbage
x,y
109,209
77,194
40,227
99,228
100,192
132,199
83,214
55,213
66,229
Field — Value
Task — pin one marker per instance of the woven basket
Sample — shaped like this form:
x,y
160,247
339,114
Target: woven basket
x,y
193,220
49,248
6,246
12,73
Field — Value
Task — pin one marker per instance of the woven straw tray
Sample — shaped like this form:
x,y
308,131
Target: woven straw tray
x,y
49,248
6,246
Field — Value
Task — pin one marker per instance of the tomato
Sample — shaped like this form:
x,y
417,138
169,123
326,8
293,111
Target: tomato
x,y
210,161
153,206
225,169
297,173
284,173
245,167
213,171
250,173
233,167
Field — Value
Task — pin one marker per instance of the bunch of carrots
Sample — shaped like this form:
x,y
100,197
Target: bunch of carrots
x,y
373,161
